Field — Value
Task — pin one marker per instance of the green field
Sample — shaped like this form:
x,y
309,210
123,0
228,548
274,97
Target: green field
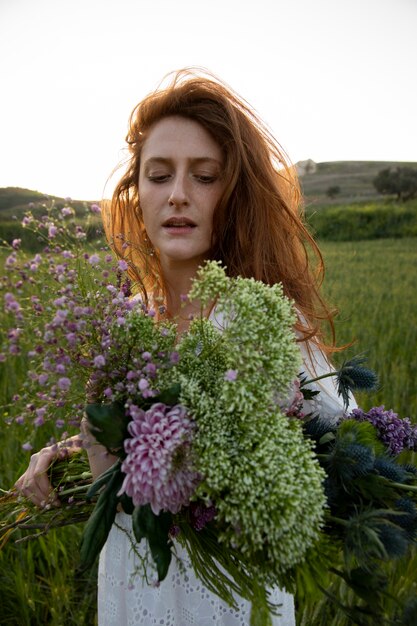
x,y
373,285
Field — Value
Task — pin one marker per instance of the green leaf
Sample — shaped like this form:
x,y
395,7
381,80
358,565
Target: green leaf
x,y
101,520
127,504
154,528
108,423
169,396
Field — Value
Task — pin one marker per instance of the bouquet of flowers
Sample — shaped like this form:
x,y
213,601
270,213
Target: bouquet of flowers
x,y
207,452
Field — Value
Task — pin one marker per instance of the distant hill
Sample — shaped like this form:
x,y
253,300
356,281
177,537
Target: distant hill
x,y
353,177
16,200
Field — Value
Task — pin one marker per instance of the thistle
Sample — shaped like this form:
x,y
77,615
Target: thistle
x,y
352,376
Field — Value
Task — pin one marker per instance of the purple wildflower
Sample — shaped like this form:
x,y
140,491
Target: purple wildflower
x,y
16,244
396,433
94,208
201,514
294,402
143,384
230,376
52,231
99,361
122,265
94,259
64,383
157,465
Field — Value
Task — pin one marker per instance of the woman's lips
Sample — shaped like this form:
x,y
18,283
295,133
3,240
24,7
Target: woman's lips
x,y
179,225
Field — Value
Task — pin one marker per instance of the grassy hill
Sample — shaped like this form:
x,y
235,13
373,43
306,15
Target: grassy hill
x,y
15,201
353,177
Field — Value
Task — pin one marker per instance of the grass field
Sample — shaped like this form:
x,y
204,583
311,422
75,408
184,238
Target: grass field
x,y
373,285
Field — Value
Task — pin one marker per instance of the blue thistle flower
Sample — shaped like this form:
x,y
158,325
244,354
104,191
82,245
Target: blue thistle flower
x,y
349,461
406,517
394,540
317,427
352,376
391,470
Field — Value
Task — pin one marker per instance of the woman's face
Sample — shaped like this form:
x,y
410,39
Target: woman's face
x,y
180,184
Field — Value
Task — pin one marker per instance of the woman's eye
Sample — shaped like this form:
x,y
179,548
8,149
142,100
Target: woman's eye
x,y
205,178
158,178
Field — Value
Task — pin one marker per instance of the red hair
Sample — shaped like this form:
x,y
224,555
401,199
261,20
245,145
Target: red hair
x,y
258,226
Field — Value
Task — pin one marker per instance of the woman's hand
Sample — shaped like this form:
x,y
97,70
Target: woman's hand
x,y
34,483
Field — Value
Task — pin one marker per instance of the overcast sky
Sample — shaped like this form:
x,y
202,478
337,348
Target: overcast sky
x,y
333,79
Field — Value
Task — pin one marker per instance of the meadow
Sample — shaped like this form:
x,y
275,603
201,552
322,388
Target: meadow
x,y
372,283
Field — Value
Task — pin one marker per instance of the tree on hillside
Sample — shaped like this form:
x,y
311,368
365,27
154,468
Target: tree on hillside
x,y
398,181
333,191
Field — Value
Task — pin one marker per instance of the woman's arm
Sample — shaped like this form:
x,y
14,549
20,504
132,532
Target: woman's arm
x,y
99,458
34,483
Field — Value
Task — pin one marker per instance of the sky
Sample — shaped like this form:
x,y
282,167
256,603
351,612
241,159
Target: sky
x,y
333,79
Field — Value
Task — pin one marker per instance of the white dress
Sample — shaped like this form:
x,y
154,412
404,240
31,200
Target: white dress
x,y
181,599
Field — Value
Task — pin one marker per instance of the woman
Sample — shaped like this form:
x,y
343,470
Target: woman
x,y
205,181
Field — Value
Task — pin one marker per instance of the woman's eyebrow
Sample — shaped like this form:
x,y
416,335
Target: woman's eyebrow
x,y
194,160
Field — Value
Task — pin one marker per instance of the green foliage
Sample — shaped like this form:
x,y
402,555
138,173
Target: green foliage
x,y
155,529
108,423
333,191
101,520
398,181
372,284
357,222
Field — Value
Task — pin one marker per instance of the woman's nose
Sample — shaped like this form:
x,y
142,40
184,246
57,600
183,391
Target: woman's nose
x,y
178,195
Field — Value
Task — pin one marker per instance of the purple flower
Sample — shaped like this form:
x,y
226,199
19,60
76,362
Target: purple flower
x,y
230,376
11,303
64,383
99,361
157,466
27,447
16,244
94,208
174,358
66,210
52,231
11,260
143,384
122,265
201,514
94,259
396,433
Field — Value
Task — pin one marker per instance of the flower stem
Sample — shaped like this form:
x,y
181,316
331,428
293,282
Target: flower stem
x,y
314,380
337,520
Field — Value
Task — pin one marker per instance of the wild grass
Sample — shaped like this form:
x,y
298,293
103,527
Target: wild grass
x,y
372,283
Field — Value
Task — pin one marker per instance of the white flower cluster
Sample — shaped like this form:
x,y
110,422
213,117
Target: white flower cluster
x,y
258,468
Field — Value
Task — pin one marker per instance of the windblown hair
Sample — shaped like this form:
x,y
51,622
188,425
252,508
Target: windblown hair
x,y
258,228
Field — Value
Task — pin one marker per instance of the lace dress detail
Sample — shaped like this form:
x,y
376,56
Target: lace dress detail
x,y
180,600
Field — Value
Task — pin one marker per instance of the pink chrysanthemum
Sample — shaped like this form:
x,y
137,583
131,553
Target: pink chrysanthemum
x,y
157,467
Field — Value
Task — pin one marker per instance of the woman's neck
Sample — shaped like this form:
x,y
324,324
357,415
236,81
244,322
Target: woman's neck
x,y
178,280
